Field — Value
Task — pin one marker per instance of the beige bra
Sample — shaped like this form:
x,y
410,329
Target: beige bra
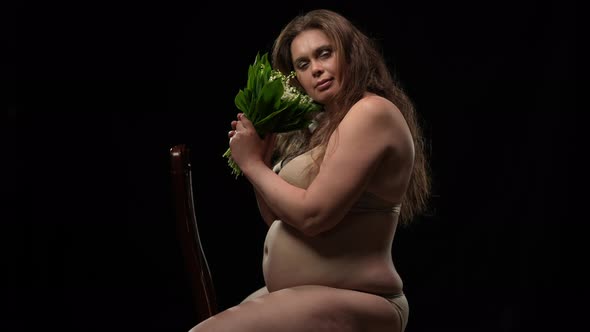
x,y
300,172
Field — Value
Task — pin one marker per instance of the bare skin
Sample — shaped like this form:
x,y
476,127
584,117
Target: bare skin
x,y
321,262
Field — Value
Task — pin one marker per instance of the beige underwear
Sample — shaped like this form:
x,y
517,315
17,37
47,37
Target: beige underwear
x,y
400,304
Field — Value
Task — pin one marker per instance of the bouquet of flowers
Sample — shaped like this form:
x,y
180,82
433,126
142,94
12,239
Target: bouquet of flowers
x,y
271,103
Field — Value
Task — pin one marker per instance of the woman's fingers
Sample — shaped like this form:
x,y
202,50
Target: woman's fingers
x,y
244,120
241,124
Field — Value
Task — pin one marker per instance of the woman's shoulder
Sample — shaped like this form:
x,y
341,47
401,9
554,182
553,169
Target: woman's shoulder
x,y
379,118
375,107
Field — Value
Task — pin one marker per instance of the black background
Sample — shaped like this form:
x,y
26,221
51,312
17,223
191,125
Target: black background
x,y
104,90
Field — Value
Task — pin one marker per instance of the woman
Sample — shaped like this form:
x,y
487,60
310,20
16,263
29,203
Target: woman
x,y
337,194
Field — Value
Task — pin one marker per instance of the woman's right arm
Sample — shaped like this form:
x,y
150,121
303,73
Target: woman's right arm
x,y
267,215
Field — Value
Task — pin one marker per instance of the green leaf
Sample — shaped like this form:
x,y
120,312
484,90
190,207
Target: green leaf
x,y
267,118
269,93
241,102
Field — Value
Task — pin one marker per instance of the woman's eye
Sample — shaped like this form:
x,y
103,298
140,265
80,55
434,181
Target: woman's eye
x,y
301,65
325,53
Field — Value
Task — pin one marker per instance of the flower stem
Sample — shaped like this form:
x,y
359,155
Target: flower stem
x,y
232,164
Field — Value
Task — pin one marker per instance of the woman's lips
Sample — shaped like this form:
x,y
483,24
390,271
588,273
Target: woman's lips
x,y
324,85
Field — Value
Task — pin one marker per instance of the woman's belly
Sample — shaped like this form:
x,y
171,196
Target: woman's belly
x,y
356,254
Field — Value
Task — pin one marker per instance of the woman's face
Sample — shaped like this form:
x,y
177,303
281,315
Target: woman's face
x,y
316,65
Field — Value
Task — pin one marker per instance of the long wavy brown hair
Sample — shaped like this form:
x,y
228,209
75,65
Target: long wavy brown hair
x,y
363,69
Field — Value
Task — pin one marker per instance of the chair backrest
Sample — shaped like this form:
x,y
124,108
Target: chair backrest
x,y
188,233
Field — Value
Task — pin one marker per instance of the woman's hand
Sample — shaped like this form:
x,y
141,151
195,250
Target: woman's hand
x,y
246,146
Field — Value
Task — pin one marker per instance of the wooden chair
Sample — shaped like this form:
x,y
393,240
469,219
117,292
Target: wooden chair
x,y
188,233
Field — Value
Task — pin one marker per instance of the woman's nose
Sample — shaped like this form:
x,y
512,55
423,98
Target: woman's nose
x,y
316,68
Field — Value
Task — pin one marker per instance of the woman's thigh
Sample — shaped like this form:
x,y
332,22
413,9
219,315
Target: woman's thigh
x,y
258,293
307,308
